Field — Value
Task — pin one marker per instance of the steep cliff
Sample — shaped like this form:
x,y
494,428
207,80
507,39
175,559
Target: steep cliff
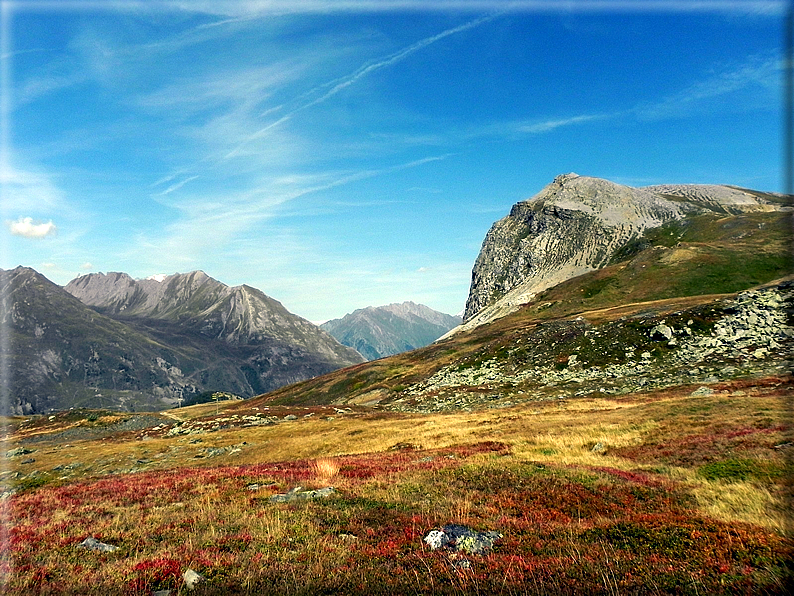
x,y
575,225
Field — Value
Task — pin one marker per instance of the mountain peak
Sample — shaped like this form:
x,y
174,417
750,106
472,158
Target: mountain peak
x,y
378,331
574,225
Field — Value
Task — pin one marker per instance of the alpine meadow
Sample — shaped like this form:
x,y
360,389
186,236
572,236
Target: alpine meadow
x,y
543,256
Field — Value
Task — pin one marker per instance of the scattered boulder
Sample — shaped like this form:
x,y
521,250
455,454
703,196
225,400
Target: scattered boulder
x,y
95,545
192,579
17,452
662,331
300,494
599,449
461,539
349,538
702,391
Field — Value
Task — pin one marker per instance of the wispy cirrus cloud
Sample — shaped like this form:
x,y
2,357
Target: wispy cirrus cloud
x,y
250,8
229,218
543,126
330,88
176,186
29,190
758,75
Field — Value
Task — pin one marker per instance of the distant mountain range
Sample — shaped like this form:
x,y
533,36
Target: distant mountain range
x,y
596,289
381,331
580,245
112,341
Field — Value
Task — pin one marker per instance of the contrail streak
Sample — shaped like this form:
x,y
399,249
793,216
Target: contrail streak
x,y
361,72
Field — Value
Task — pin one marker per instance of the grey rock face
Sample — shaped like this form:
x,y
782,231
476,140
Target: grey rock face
x,y
237,315
720,198
574,226
570,227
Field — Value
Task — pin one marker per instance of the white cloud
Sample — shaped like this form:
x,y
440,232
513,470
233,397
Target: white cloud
x,y
87,266
24,226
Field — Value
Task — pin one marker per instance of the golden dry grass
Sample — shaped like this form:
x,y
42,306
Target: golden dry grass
x,y
559,432
325,469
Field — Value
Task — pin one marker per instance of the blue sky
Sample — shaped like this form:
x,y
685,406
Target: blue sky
x,y
342,154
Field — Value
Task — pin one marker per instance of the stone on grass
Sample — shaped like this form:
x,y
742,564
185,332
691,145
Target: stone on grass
x,y
95,545
662,331
459,538
702,391
436,539
599,448
300,494
192,579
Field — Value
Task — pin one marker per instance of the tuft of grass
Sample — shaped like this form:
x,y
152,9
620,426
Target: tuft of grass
x,y
325,469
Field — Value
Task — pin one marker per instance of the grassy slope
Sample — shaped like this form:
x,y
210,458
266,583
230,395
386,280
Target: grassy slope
x,y
687,494
680,265
689,497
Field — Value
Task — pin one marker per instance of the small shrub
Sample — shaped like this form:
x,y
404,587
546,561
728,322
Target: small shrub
x,y
30,483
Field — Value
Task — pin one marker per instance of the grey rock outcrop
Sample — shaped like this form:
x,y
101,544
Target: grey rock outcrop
x,y
95,545
192,579
459,538
748,335
301,494
574,226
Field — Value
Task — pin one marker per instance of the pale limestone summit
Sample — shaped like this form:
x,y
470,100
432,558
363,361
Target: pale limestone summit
x,y
575,225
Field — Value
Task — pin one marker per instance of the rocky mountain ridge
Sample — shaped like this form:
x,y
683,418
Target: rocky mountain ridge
x,y
132,352
575,225
238,315
381,331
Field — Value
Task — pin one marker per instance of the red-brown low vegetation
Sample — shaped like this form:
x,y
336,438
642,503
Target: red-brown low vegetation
x,y
567,530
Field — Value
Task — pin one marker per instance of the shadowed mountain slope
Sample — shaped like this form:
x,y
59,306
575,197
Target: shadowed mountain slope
x,y
147,346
